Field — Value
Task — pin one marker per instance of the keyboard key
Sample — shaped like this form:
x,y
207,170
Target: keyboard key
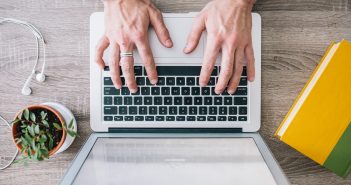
x,y
211,118
170,118
128,100
193,110
178,100
183,110
133,110
148,100
136,93
161,81
233,110
123,80
241,91
185,90
225,93
167,100
228,101
165,91
128,118
203,110
153,110
242,118
108,81
118,118
162,110
108,100
195,91
201,118
212,81
139,118
170,80
117,100
155,91
138,70
108,118
242,111
208,101
148,81
197,100
110,110
218,100
244,72
205,91
188,100
106,68
158,100
212,110
190,118
222,118
111,91
175,90
122,110
138,100
190,81
145,90
213,91
172,110
223,111
149,118
231,118
180,118
243,81
160,118
140,80
142,110
180,81
125,91
240,101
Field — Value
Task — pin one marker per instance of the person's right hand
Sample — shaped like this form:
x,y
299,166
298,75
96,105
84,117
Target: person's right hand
x,y
126,26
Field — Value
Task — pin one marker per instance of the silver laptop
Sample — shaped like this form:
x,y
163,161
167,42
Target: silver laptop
x,y
175,132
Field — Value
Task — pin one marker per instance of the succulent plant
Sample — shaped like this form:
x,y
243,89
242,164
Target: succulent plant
x,y
38,132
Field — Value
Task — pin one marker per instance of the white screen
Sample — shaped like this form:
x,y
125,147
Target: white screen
x,y
171,161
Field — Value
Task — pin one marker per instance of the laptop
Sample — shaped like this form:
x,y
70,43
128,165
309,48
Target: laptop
x,y
174,132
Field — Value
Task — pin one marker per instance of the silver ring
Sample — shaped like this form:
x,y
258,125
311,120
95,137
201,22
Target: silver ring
x,y
126,54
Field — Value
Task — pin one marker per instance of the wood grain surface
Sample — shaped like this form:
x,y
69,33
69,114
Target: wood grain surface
x,y
295,35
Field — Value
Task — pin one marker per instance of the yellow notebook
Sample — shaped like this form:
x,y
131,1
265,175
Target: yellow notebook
x,y
318,123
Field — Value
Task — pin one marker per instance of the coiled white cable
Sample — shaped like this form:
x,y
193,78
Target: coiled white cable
x,y
16,153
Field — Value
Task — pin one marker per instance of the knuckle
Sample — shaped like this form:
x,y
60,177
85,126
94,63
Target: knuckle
x,y
227,71
139,35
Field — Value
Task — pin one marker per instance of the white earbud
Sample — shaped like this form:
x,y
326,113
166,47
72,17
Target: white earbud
x,y
26,91
40,77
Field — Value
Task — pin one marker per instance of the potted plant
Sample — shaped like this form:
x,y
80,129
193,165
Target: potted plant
x,y
40,131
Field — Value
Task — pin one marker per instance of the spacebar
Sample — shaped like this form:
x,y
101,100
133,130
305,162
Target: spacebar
x,y
181,70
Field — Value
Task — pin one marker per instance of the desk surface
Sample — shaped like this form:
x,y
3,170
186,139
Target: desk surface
x,y
295,35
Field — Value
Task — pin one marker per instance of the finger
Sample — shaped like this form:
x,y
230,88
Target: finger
x,y
226,72
114,66
195,34
249,53
160,28
145,53
100,48
127,63
210,56
238,69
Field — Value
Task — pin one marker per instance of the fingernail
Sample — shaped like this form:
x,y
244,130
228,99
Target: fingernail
x,y
134,90
251,79
230,92
186,48
154,81
169,43
202,84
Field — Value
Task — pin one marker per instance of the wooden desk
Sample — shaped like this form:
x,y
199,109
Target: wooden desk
x,y
295,35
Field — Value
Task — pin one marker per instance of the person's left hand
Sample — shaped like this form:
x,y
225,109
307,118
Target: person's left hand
x,y
228,24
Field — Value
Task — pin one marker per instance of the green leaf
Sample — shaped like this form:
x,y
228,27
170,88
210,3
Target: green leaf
x,y
32,116
43,115
45,123
51,143
57,126
31,130
26,114
72,133
43,139
70,124
36,129
45,153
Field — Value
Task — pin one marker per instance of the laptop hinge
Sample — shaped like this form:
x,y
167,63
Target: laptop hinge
x,y
175,130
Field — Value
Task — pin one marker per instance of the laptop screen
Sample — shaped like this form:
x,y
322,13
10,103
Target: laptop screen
x,y
205,161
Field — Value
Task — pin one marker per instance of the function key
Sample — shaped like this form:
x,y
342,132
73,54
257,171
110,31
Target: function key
x,y
138,70
107,81
108,118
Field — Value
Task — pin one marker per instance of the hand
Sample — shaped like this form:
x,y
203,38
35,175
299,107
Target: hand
x,y
228,25
126,26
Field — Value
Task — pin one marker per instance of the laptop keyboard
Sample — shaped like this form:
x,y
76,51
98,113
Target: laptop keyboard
x,y
176,97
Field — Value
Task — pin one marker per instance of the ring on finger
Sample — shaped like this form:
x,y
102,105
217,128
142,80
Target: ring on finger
x,y
126,54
